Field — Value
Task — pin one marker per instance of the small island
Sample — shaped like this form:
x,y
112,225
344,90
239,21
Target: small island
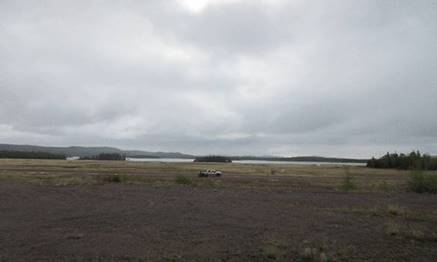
x,y
219,159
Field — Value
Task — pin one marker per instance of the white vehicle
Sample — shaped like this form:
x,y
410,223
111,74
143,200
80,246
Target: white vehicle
x,y
210,172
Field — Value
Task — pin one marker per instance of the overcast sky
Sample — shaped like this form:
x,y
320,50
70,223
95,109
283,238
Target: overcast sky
x,y
351,78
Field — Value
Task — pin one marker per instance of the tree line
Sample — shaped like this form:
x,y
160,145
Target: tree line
x,y
30,155
105,156
413,161
45,155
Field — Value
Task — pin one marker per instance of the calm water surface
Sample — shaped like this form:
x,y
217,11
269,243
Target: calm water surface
x,y
179,160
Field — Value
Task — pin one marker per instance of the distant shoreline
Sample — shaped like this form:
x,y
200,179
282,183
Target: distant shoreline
x,y
78,151
260,162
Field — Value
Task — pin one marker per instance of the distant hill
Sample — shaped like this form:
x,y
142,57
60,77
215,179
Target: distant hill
x,y
91,151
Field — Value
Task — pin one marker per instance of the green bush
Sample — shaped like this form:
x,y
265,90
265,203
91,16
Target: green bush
x,y
182,180
348,183
314,255
421,182
396,210
112,179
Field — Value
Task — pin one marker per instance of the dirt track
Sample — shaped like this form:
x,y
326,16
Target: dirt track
x,y
137,222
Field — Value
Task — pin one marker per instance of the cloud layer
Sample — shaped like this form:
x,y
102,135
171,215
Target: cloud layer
x,y
345,78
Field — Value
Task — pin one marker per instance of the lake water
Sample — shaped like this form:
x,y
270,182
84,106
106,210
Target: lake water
x,y
179,160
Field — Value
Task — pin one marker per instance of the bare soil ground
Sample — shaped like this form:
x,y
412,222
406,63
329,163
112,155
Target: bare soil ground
x,y
77,211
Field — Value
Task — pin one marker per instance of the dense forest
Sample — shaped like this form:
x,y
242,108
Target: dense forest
x,y
413,161
30,155
106,156
221,159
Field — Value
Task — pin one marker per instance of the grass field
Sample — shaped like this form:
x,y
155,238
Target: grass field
x,y
128,211
60,172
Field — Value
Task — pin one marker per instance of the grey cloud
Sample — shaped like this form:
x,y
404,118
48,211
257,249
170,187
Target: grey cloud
x,y
345,78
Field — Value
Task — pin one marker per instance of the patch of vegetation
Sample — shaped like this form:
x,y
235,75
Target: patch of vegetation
x,y
183,180
392,229
390,211
112,179
106,156
396,210
361,211
417,234
384,186
411,232
422,182
314,255
212,183
272,252
348,183
67,181
30,155
421,234
413,161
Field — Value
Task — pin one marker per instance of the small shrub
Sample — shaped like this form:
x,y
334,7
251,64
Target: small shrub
x,y
421,234
112,179
348,183
272,252
384,186
308,254
182,180
395,210
313,255
417,234
392,229
421,182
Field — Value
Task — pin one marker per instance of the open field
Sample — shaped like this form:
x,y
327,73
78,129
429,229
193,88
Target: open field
x,y
98,211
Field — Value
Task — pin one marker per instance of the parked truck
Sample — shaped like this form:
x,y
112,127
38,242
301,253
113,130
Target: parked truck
x,y
210,173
